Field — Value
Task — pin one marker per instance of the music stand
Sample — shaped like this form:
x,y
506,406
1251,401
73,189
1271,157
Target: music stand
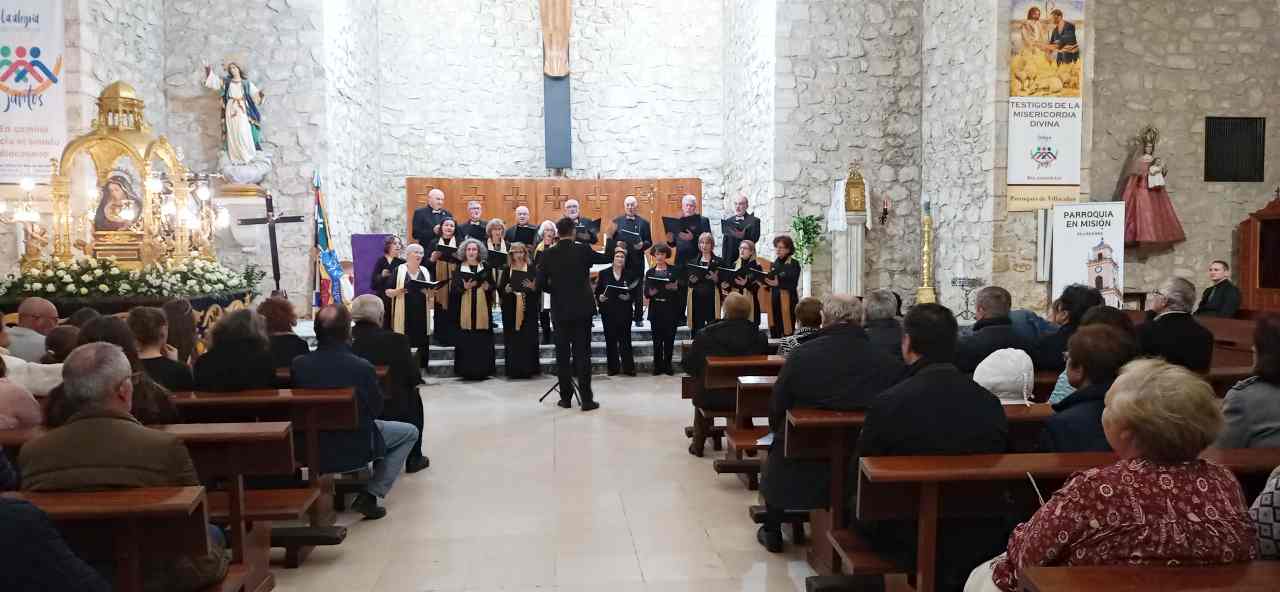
x,y
555,387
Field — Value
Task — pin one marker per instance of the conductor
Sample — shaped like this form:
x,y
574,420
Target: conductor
x,y
565,275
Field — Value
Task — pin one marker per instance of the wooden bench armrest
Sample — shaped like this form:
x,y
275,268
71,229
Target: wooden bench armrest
x,y
266,504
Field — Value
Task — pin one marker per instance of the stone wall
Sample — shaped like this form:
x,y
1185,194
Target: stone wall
x,y
110,40
352,101
849,94
1170,64
749,85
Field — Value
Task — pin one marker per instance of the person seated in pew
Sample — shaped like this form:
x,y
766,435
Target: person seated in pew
x,y
18,408
808,321
35,556
37,378
734,335
1097,315
1095,355
36,317
1252,406
1221,298
936,409
59,343
103,447
1158,505
1265,513
1067,312
159,359
151,403
239,356
993,330
1008,374
80,317
881,310
1171,332
285,345
814,378
383,347
182,328
384,443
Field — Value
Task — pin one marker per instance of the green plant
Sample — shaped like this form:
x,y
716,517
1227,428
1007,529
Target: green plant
x,y
252,276
807,234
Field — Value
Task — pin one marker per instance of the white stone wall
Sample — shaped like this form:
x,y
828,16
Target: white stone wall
x,y
750,78
1170,64
848,92
351,182
114,40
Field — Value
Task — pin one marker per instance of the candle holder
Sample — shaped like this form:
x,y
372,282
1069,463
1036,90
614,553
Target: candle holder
x,y
926,294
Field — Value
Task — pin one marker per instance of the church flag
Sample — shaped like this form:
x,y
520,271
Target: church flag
x,y
328,272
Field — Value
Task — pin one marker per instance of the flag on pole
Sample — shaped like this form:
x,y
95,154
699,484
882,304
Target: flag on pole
x,y
328,272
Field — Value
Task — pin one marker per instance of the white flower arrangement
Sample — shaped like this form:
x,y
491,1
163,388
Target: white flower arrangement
x,y
104,277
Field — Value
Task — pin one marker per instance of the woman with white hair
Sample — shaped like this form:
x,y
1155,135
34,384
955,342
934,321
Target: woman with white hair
x,y
1158,505
409,314
471,295
547,237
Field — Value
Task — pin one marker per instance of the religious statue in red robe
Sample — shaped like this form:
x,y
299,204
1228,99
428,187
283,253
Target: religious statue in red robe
x,y
1149,219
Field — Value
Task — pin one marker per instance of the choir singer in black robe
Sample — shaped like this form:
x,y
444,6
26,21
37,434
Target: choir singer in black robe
x,y
662,286
520,305
408,296
426,221
685,242
381,280
739,227
444,262
547,237
564,273
703,298
635,231
474,227
783,288
522,231
742,281
471,295
614,291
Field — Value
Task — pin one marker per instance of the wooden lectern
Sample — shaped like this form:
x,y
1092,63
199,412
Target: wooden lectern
x,y
1259,259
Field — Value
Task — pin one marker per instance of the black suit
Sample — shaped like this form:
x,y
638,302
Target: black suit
x,y
1179,339
635,257
470,230
382,347
565,274
750,231
1220,300
424,223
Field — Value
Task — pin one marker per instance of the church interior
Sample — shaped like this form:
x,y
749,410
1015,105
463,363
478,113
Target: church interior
x,y
639,295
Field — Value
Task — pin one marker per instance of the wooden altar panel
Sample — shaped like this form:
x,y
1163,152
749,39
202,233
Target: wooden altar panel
x,y
1256,295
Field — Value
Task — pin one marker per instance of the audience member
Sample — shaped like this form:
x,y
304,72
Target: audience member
x,y
284,343
1173,334
386,443
35,557
992,331
1252,407
936,409
36,317
151,403
808,320
383,347
1159,417
1031,326
18,409
734,335
238,358
59,342
1221,298
1265,512
1069,308
881,310
814,378
103,447
1097,315
80,317
1095,355
150,328
1008,374
182,328
37,378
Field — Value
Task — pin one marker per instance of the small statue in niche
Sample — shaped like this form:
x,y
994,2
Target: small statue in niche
x,y
1150,222
242,122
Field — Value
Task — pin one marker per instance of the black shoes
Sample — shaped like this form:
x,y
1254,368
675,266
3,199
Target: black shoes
x,y
414,465
613,372
367,505
770,540
631,372
590,405
565,403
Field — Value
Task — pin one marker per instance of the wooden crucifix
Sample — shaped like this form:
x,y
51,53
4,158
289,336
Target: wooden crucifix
x,y
556,17
271,220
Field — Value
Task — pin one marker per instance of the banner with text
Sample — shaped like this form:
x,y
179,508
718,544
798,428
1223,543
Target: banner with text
x,y
1088,248
33,118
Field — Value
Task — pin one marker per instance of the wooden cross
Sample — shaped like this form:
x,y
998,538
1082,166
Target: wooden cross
x,y
475,195
515,198
645,198
426,191
271,219
555,199
675,199
597,201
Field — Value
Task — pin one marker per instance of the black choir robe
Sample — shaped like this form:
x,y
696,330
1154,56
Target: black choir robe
x,y
520,306
529,232
616,314
445,325
751,289
665,308
750,231
783,297
474,356
425,221
688,249
408,312
380,283
703,299
475,230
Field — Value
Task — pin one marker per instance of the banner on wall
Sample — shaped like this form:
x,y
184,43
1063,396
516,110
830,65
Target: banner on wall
x,y
1088,248
1046,72
33,116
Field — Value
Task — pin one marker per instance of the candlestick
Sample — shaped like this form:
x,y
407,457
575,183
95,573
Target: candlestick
x,y
925,294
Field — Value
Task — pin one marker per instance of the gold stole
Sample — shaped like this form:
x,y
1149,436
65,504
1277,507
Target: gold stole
x,y
444,274
398,303
715,293
473,300
519,298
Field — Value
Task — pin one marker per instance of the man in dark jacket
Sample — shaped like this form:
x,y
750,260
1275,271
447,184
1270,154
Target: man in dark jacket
x,y
565,274
880,321
815,378
1066,312
34,555
935,410
1173,334
993,330
1096,353
1222,299
386,443
734,335
635,231
739,227
426,221
388,348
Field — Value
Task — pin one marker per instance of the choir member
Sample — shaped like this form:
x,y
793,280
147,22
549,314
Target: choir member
x,y
522,231
664,308
475,224
685,243
703,297
497,243
520,305
783,293
739,227
471,297
745,284
382,280
427,221
443,263
636,232
614,291
407,293
572,211
547,232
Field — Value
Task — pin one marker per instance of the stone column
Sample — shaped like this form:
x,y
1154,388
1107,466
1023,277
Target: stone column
x,y
847,255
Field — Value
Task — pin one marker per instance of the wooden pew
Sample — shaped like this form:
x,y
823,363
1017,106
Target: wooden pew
x,y
1256,576
310,411
127,525
818,434
721,374
927,488
753,394
284,378
1232,338
1220,377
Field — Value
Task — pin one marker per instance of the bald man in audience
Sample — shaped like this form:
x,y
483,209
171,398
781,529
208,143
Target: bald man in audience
x,y
1171,332
36,317
426,221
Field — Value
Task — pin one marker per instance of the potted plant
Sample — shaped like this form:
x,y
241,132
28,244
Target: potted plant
x,y
806,231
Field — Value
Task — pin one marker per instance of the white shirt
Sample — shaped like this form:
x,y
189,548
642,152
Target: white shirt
x,y
26,344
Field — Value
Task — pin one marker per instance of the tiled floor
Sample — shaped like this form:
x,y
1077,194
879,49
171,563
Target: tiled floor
x,y
524,497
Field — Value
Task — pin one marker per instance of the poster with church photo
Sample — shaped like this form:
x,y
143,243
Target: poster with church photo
x,y
1088,248
1045,41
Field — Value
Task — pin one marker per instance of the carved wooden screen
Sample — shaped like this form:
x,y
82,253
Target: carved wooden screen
x,y
545,197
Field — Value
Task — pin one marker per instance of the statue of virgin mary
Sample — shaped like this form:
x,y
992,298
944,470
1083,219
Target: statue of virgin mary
x,y
242,122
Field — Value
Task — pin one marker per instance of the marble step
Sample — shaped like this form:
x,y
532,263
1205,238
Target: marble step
x,y
644,365
639,347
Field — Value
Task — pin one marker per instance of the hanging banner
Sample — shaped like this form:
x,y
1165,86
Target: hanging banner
x,y
1046,72
1088,248
33,117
